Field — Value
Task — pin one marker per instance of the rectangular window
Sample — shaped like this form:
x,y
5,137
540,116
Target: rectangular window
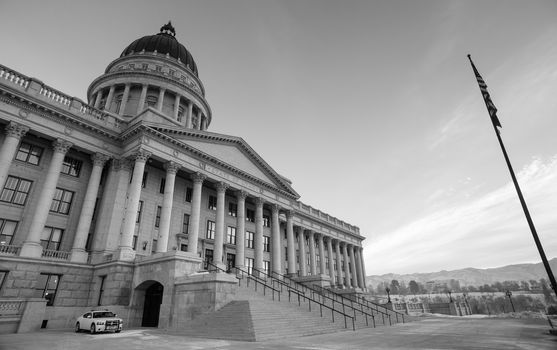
x,y
208,258
162,185
250,215
51,238
266,243
143,180
231,235
154,246
184,247
266,221
186,224
15,190
47,286
139,210
189,192
71,166
29,154
101,290
158,216
7,230
212,203
3,277
266,267
62,201
232,209
134,242
249,265
285,253
249,239
211,229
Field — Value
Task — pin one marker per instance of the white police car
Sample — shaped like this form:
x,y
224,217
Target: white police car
x,y
99,321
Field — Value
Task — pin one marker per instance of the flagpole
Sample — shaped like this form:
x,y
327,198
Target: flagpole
x,y
496,123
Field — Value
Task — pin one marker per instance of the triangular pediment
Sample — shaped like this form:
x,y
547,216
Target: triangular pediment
x,y
231,150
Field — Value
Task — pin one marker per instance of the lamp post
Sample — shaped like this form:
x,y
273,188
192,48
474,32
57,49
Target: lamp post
x,y
388,290
509,294
450,296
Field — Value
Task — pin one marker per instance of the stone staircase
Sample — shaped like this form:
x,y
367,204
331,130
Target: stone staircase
x,y
253,316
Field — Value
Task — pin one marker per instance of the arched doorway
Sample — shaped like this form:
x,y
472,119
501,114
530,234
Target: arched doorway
x,y
152,305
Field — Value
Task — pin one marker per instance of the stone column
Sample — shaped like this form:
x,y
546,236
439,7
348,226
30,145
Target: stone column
x,y
312,261
189,114
353,276
125,98
78,250
109,98
98,98
358,267
193,235
142,98
331,260
32,245
161,99
204,123
290,244
302,247
339,265
346,268
14,133
276,240
176,106
166,211
241,229
219,231
363,267
130,216
258,239
322,264
199,119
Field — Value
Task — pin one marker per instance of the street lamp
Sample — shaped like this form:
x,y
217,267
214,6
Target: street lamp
x,y
509,294
450,297
388,290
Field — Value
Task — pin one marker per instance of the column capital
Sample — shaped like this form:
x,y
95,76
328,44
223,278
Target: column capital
x,y
171,167
289,214
222,186
259,201
198,177
122,164
99,159
241,195
141,156
275,208
311,233
16,130
61,146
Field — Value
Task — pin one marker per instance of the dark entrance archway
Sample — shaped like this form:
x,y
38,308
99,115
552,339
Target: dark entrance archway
x,y
152,305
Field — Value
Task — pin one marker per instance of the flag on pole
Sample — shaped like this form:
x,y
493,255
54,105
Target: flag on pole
x,y
488,103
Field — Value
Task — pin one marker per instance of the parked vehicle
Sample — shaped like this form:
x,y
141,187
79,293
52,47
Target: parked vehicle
x,y
99,321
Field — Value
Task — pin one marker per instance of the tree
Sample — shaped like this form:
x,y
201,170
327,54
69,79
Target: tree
x,y
395,287
414,287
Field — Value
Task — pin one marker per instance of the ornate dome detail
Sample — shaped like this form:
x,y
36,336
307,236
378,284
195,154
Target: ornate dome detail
x,y
163,43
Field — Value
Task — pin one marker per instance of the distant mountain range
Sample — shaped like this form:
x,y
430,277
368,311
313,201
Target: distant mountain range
x,y
473,277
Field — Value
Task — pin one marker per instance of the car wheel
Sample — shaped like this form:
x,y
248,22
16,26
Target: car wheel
x,y
77,329
92,329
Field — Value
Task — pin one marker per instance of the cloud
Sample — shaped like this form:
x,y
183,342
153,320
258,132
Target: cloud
x,y
489,230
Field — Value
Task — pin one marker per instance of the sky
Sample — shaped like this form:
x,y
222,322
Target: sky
x,y
371,108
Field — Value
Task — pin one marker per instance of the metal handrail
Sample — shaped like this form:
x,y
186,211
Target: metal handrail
x,y
257,280
342,298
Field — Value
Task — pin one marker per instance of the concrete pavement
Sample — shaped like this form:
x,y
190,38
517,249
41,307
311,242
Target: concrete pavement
x,y
453,333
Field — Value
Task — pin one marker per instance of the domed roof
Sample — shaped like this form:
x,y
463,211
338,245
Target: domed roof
x,y
163,43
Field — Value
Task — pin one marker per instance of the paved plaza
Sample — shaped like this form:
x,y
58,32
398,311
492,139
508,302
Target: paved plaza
x,y
426,333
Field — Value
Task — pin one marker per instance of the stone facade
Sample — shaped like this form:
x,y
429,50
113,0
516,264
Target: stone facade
x,y
120,201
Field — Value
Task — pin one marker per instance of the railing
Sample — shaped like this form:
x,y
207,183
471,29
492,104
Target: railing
x,y
55,254
301,290
343,301
372,305
13,77
7,249
11,307
243,274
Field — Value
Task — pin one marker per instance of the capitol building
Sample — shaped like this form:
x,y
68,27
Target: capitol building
x,y
129,202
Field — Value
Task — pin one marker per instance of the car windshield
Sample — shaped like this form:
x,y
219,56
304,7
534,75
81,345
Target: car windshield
x,y
103,314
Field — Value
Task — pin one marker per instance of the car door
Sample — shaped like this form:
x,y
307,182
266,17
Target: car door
x,y
87,319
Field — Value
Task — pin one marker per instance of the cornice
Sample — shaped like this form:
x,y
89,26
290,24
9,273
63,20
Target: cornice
x,y
52,112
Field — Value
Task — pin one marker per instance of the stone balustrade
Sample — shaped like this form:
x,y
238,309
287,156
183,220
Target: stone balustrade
x,y
6,249
55,254
46,93
306,209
